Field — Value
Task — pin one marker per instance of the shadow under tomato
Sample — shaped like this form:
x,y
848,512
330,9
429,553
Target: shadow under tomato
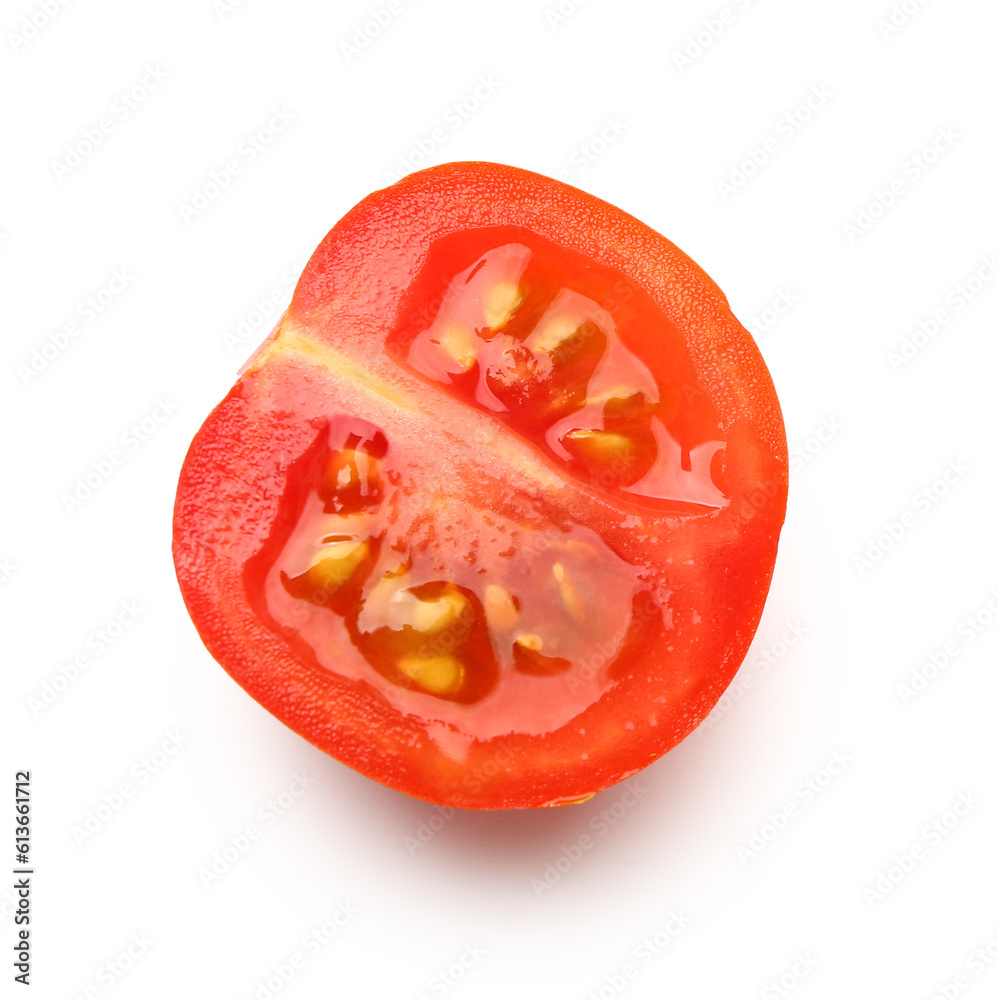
x,y
662,804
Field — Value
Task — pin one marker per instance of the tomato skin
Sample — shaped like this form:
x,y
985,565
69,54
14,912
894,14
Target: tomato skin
x,y
716,563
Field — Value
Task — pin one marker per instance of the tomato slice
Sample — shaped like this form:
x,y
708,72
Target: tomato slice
x,y
492,515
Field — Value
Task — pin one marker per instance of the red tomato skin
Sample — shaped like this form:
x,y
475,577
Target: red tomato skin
x,y
717,563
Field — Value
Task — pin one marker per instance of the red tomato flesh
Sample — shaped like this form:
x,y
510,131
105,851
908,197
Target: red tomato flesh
x,y
492,515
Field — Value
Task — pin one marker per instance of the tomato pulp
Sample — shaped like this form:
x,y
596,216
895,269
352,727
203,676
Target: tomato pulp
x,y
492,514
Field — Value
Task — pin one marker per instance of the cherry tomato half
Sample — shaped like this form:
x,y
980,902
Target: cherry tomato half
x,y
492,514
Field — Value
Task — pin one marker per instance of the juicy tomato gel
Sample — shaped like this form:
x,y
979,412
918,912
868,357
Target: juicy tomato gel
x,y
492,515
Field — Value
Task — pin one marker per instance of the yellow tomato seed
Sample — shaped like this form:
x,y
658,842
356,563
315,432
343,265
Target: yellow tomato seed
x,y
500,302
457,342
500,609
440,674
572,600
552,333
619,393
601,446
433,616
531,641
333,564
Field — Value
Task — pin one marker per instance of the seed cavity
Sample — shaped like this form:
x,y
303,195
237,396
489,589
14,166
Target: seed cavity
x,y
451,639
351,481
511,334
431,636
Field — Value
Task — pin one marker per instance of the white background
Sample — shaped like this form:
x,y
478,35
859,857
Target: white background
x,y
778,889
